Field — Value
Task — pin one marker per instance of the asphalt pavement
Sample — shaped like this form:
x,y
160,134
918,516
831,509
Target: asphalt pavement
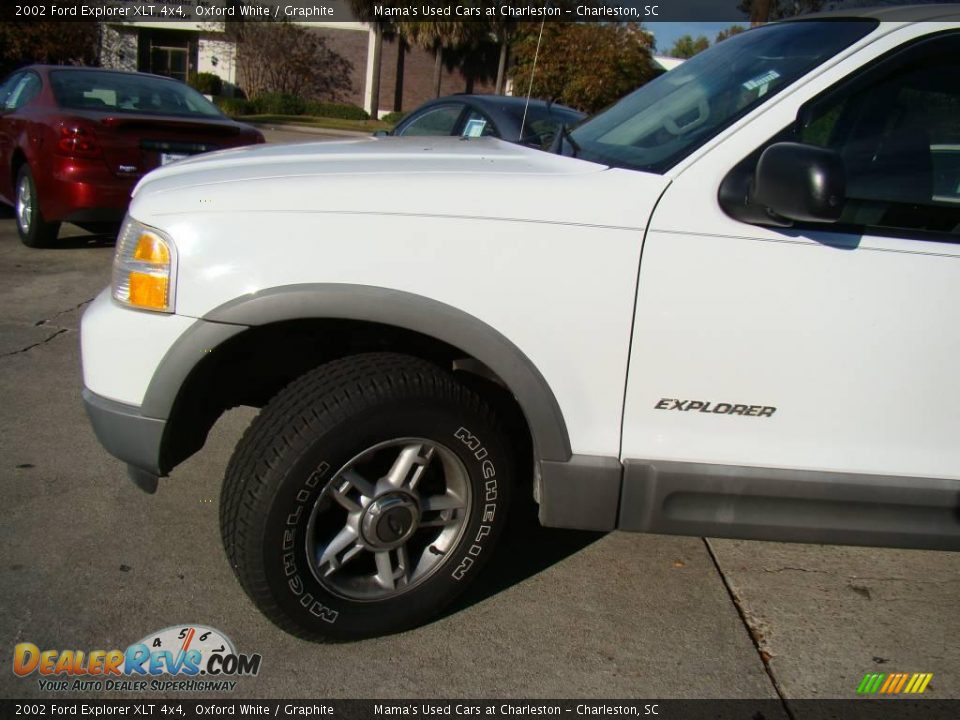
x,y
87,561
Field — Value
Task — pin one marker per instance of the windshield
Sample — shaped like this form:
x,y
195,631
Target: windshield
x,y
656,126
128,93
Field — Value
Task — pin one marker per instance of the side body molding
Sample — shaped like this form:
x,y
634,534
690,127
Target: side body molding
x,y
420,314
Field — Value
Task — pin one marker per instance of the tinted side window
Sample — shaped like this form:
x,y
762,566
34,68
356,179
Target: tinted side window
x,y
7,88
899,136
23,91
436,121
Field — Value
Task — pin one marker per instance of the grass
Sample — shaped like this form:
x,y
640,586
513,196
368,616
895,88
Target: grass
x,y
318,122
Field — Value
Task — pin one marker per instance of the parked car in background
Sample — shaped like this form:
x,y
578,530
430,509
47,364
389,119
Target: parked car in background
x,y
489,116
74,141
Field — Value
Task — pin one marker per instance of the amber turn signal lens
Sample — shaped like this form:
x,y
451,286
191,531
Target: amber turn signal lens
x,y
151,249
148,291
144,273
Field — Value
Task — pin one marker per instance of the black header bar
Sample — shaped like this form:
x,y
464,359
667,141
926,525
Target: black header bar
x,y
219,11
150,708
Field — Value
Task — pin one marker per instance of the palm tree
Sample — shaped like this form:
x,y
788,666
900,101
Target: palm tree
x,y
503,31
438,36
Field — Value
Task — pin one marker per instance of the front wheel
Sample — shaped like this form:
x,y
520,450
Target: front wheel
x,y
34,231
365,497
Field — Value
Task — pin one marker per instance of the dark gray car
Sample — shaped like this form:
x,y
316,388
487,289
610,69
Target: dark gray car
x,y
489,116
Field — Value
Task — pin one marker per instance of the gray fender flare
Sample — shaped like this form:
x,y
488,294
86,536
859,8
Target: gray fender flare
x,y
389,307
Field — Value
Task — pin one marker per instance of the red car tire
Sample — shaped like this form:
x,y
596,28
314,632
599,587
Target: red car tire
x,y
34,231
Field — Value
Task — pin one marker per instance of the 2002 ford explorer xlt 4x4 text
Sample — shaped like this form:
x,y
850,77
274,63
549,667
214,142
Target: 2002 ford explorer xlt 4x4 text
x,y
728,305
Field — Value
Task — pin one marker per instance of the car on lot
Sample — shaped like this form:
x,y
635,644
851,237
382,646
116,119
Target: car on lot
x,y
471,116
734,311
74,141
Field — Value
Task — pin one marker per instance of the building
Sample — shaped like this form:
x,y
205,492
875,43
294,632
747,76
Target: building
x,y
179,49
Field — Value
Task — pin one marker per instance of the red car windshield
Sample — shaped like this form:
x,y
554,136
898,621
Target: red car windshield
x,y
128,93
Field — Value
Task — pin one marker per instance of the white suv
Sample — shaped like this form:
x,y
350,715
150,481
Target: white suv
x,y
729,305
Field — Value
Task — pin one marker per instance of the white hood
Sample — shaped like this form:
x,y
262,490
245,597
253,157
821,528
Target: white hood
x,y
421,176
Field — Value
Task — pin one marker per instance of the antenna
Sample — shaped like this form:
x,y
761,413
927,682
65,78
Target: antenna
x,y
536,54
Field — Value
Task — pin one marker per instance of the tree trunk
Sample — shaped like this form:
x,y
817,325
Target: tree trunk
x,y
438,72
502,67
398,88
759,11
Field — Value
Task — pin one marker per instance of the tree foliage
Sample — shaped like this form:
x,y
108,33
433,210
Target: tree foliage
x,y
280,57
764,10
729,32
686,47
46,41
463,45
584,65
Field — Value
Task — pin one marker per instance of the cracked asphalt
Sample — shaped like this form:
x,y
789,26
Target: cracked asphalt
x,y
87,561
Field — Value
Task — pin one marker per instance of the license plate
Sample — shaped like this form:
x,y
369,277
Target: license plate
x,y
167,158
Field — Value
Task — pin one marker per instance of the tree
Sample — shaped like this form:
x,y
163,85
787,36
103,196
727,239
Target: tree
x,y
437,36
46,41
761,11
280,57
584,65
729,32
503,31
686,47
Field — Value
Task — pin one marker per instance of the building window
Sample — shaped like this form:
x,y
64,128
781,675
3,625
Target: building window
x,y
167,52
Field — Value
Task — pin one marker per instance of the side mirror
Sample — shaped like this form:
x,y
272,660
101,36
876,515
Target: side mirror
x,y
381,133
792,182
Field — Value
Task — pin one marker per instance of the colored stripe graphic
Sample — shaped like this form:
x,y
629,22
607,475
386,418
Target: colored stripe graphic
x,y
894,683
890,683
901,683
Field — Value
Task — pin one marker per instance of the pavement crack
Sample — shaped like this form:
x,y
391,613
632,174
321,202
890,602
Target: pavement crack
x,y
46,321
22,350
859,578
753,630
797,569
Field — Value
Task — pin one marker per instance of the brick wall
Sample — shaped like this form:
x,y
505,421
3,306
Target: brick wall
x,y
418,66
352,45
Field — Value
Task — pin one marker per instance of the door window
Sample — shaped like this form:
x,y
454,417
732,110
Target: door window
x,y
436,121
6,89
21,91
898,131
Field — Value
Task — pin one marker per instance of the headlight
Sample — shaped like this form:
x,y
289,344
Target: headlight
x,y
143,267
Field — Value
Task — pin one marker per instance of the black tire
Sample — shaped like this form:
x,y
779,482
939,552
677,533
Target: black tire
x,y
34,231
280,481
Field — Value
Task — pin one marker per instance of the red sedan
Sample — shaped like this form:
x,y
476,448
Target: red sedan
x,y
74,141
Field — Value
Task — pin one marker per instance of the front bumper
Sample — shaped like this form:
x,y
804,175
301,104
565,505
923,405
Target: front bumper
x,y
125,433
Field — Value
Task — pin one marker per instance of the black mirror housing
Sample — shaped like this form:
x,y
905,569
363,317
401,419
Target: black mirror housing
x,y
789,182
800,182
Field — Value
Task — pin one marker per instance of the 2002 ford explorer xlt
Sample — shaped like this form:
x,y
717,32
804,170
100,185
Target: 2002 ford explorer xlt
x,y
728,305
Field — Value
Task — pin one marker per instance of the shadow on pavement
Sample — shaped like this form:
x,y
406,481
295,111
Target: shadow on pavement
x,y
525,549
84,240
72,237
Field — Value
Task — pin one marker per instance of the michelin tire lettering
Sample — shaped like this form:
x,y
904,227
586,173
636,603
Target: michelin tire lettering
x,y
490,500
294,582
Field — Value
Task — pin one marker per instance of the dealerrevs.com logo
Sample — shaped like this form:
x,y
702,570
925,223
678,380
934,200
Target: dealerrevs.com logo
x,y
193,657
